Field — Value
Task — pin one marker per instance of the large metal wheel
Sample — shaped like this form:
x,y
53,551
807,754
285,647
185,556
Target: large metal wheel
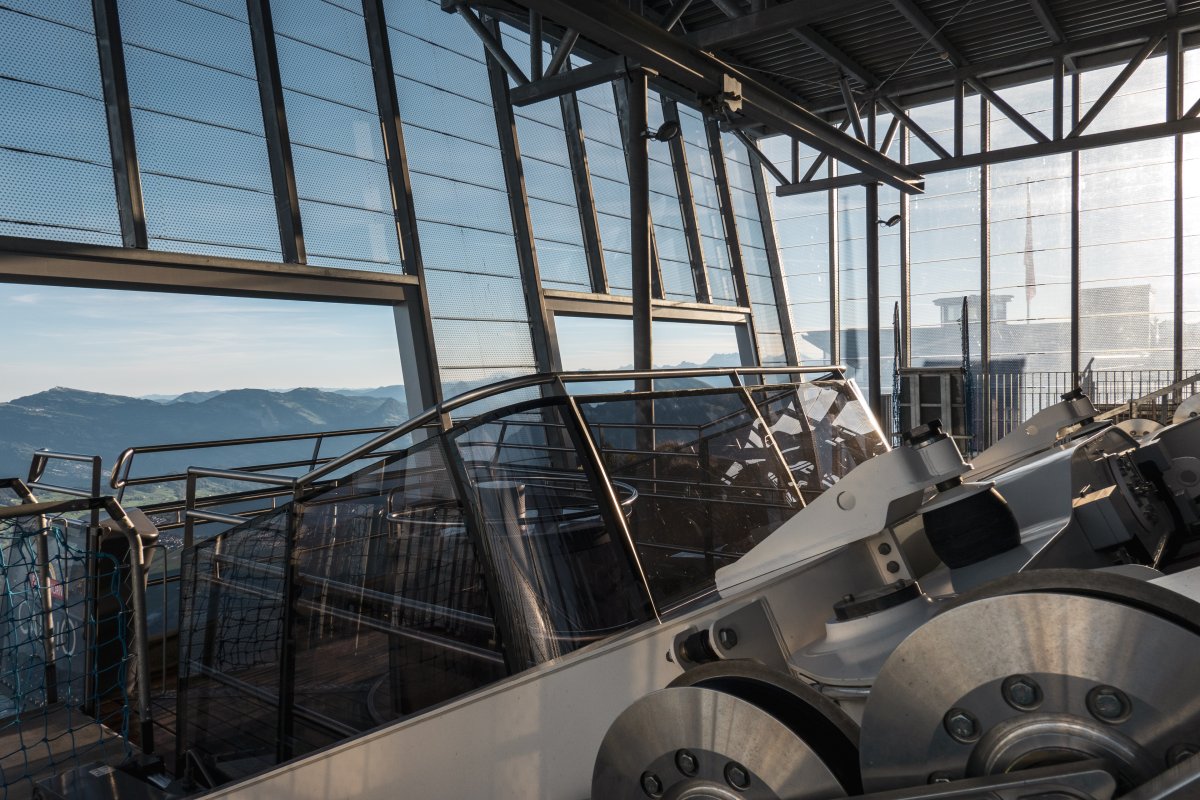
x,y
1039,669
729,730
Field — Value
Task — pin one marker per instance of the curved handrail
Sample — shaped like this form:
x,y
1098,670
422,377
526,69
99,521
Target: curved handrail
x,y
440,413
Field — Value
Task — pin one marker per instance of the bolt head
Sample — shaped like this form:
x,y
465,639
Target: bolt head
x,y
1022,692
728,638
686,763
1108,704
1181,752
961,725
737,776
651,784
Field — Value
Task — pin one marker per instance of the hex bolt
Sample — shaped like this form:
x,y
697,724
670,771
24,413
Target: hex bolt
x,y
1181,752
885,549
961,725
1022,692
1108,704
651,784
686,763
893,567
737,776
728,638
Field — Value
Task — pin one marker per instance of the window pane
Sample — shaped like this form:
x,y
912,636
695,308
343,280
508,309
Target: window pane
x,y
55,161
462,207
197,120
337,148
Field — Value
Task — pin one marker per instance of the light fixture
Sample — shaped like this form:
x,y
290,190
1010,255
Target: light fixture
x,y
665,133
890,222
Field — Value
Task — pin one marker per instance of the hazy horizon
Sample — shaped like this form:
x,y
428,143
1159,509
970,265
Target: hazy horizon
x,y
136,344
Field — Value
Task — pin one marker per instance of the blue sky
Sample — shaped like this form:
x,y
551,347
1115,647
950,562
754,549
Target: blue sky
x,y
139,343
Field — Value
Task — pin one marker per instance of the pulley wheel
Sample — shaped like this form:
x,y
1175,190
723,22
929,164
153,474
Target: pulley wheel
x,y
1140,429
695,743
1187,409
1033,671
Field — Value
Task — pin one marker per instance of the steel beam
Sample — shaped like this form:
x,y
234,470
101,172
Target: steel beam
x,y
1041,8
1017,117
913,127
1075,239
493,46
874,377
279,147
1035,150
639,219
131,210
615,27
621,100
571,80
536,68
675,13
762,158
52,263
687,206
932,33
852,110
835,282
1037,63
834,54
775,262
985,277
819,161
585,201
418,348
729,223
1103,100
773,19
609,305
561,53
545,344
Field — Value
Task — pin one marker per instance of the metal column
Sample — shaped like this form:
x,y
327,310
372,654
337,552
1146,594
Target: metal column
x,y
545,344
774,260
1075,234
637,153
687,206
729,222
279,146
414,325
875,390
985,278
127,177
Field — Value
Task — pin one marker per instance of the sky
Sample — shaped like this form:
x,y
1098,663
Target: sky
x,y
143,343
139,343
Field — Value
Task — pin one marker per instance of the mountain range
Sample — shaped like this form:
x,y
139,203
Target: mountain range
x,y
74,421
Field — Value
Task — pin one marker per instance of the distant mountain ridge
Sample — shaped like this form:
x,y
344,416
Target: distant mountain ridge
x,y
76,421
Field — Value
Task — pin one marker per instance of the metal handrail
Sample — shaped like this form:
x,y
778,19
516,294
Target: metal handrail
x,y
137,587
120,478
441,413
191,513
42,458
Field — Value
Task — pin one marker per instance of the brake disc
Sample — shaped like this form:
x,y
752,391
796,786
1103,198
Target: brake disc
x,y
729,730
1034,670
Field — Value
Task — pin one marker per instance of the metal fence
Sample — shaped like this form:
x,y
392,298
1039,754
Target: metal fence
x,y
64,656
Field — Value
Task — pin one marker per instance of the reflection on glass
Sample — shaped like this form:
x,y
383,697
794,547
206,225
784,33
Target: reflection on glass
x,y
559,556
709,484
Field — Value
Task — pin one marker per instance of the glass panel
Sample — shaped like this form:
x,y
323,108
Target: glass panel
x,y
852,282
337,146
55,161
610,180
802,230
1126,217
823,429
553,209
560,558
390,615
674,258
1029,209
462,207
709,487
754,254
197,119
